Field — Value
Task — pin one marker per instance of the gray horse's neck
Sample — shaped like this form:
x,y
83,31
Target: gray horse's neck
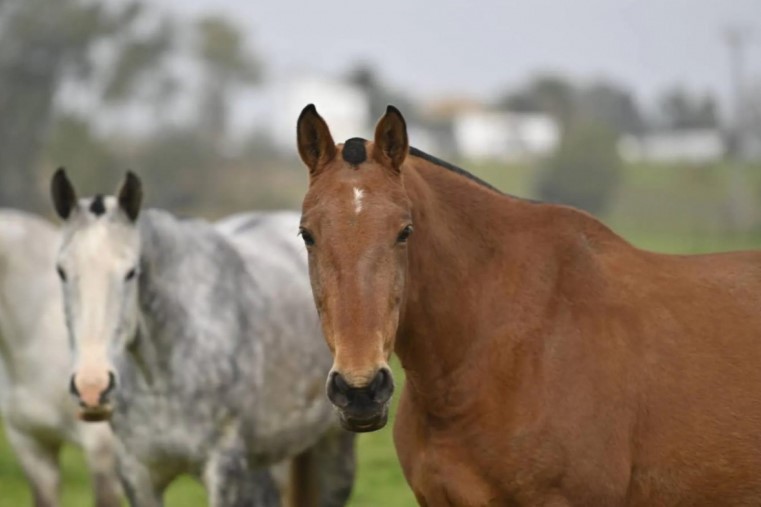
x,y
195,300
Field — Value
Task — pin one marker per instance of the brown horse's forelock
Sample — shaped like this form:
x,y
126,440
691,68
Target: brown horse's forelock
x,y
354,151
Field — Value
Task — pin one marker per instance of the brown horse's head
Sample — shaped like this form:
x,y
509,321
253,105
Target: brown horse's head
x,y
355,223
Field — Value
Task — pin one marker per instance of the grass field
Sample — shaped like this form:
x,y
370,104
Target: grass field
x,y
379,483
379,479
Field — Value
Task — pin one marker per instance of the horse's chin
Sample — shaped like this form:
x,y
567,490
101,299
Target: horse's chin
x,y
364,424
96,414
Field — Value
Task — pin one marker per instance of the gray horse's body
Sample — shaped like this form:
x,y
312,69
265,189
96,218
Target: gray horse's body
x,y
227,371
35,363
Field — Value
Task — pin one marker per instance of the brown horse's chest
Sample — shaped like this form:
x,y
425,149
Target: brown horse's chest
x,y
461,467
493,460
438,478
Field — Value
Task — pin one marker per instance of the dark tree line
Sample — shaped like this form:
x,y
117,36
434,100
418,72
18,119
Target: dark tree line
x,y
119,53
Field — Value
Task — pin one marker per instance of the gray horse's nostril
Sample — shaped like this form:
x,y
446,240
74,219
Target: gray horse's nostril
x,y
111,385
73,387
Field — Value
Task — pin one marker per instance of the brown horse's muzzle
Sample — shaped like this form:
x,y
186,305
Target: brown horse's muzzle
x,y
93,398
364,408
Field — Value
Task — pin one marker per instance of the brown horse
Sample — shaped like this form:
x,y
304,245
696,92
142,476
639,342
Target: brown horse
x,y
548,362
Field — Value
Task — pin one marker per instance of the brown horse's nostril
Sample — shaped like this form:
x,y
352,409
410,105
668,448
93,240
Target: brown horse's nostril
x,y
338,390
377,392
382,386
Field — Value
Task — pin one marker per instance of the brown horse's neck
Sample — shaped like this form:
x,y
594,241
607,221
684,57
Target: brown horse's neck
x,y
483,271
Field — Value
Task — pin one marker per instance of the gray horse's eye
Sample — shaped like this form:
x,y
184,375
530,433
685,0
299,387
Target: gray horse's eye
x,y
61,273
130,274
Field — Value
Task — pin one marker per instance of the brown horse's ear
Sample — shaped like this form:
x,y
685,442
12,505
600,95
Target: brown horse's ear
x,y
131,195
62,192
316,145
391,141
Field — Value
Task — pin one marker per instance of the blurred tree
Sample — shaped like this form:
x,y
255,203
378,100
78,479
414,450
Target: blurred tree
x,y
601,102
44,43
73,144
550,94
609,104
175,166
38,40
680,110
365,77
585,171
137,58
753,144
226,64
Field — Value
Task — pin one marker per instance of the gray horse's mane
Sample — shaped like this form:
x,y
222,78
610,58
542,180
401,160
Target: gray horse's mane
x,y
190,256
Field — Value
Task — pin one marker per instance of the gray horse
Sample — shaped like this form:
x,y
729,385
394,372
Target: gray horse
x,y
201,345
35,364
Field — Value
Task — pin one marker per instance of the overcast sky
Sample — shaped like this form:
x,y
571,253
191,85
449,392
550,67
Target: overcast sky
x,y
479,47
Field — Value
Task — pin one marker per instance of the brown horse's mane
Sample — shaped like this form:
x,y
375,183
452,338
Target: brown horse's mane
x,y
462,172
354,153
451,167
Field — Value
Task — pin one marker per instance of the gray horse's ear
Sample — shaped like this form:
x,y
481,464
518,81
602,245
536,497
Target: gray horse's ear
x,y
316,146
62,192
391,143
131,195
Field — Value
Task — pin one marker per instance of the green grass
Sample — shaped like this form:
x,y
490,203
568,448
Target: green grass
x,y
14,491
379,479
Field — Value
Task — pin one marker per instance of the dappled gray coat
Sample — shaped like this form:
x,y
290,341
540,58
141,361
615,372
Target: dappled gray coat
x,y
229,360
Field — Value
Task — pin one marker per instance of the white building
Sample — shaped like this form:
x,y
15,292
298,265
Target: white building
x,y
345,107
483,134
689,145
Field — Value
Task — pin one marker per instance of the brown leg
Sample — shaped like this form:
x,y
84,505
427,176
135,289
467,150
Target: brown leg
x,y
303,484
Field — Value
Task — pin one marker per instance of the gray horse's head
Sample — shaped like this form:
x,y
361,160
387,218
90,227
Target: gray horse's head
x,y
98,263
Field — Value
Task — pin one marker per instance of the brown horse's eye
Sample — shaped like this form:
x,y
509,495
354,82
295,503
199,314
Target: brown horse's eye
x,y
307,237
61,273
404,234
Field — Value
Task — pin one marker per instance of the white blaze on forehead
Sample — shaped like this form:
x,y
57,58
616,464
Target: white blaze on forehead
x,y
98,252
358,195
